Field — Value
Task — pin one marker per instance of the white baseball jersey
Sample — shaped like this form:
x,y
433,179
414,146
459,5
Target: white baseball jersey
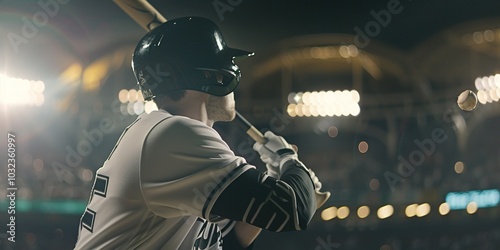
x,y
157,188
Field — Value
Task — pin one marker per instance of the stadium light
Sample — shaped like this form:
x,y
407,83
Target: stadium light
x,y
488,88
323,103
17,91
132,103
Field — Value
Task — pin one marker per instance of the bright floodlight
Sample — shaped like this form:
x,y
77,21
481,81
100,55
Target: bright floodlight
x,y
488,88
324,103
16,91
132,103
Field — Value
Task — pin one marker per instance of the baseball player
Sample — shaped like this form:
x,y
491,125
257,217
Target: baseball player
x,y
171,182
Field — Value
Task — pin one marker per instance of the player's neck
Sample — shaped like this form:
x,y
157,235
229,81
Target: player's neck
x,y
195,113
193,105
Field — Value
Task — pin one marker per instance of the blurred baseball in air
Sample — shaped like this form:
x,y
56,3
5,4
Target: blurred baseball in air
x,y
467,100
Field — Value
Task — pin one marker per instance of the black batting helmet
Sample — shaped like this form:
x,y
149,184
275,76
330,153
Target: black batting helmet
x,y
186,53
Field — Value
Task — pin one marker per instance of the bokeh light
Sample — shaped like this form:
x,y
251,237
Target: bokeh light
x,y
363,212
363,147
343,212
329,213
472,207
444,208
324,103
459,167
385,212
411,210
423,210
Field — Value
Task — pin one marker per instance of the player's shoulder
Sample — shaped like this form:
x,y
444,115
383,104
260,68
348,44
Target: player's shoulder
x,y
176,125
182,122
164,118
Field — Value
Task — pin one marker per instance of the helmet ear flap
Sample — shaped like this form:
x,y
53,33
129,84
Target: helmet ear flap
x,y
217,76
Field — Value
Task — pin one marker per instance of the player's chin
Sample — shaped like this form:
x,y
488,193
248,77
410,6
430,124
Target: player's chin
x,y
231,110
221,108
221,114
227,116
232,115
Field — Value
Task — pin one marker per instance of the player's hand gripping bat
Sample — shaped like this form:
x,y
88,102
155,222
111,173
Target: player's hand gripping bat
x,y
148,18
256,135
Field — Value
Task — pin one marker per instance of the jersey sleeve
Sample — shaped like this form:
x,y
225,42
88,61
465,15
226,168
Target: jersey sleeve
x,y
185,165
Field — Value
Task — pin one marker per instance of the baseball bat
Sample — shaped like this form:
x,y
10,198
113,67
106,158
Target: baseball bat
x,y
256,135
142,12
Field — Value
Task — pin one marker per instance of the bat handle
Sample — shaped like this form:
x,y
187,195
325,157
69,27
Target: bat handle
x,y
256,135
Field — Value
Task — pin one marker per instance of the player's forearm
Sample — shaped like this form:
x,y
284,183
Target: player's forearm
x,y
246,233
265,202
300,181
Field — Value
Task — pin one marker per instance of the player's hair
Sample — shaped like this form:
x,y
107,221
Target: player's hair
x,y
163,100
